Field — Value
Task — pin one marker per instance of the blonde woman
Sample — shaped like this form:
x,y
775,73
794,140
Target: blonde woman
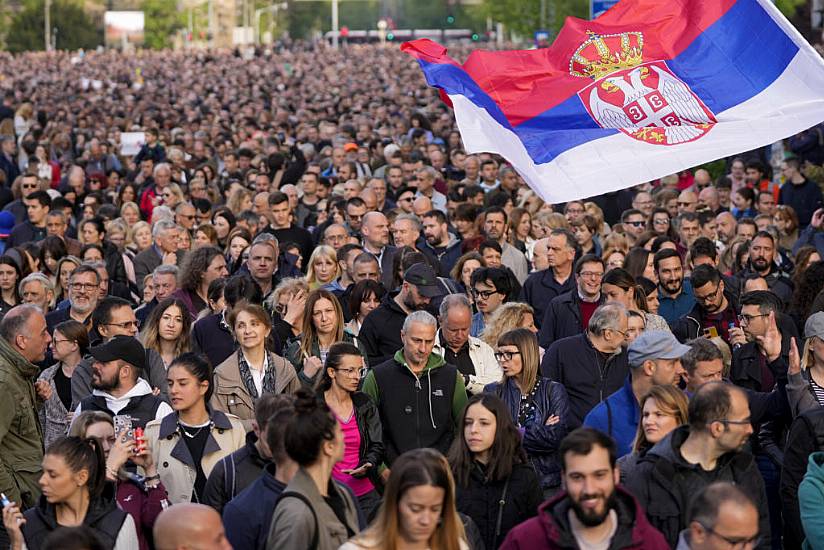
x,y
130,213
172,196
324,268
141,237
508,317
240,199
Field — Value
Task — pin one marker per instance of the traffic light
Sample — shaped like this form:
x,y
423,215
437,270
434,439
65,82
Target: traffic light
x,y
450,19
475,37
390,36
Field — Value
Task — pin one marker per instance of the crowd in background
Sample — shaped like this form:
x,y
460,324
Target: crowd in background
x,y
301,315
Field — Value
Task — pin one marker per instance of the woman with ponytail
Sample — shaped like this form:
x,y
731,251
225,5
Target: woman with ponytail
x,y
620,287
75,492
315,511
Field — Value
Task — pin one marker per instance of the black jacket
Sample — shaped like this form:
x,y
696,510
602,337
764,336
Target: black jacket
x,y
562,318
380,333
540,288
103,516
233,474
664,484
806,437
587,377
689,326
745,370
371,435
480,500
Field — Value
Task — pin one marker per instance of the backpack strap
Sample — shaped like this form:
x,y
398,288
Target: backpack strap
x,y
305,500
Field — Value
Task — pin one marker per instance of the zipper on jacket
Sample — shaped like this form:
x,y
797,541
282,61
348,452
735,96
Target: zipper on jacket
x,y
417,410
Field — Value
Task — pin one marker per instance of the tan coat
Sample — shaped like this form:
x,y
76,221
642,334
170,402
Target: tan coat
x,y
174,462
231,395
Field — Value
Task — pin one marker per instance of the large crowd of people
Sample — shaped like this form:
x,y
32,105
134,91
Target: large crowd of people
x,y
302,316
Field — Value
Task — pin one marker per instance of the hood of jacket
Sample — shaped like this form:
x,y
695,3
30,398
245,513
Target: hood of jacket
x,y
140,388
632,521
815,466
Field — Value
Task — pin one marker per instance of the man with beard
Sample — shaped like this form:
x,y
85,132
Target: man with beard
x,y
84,292
762,262
593,511
495,229
675,298
442,244
715,309
381,329
118,389
410,421
689,458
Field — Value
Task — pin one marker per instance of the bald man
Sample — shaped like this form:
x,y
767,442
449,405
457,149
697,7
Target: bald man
x,y
702,180
421,206
709,199
190,526
375,232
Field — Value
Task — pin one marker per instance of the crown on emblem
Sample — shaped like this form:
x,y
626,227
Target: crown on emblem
x,y
601,55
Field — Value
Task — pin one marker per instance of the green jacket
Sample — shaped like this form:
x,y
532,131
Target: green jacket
x,y
459,397
21,436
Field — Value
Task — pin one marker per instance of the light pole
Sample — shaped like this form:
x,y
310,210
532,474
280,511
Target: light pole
x,y
47,14
274,8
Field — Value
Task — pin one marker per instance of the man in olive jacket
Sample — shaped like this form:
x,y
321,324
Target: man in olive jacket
x,y
23,341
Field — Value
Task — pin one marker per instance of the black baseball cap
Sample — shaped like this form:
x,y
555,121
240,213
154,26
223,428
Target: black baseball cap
x,y
126,348
425,280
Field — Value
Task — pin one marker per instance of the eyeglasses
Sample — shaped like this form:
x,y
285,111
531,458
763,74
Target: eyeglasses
x,y
483,294
352,373
591,274
123,325
661,221
745,319
84,286
636,224
734,542
405,199
505,355
709,297
185,216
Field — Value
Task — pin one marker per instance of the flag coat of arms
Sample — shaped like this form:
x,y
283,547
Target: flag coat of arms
x,y
648,89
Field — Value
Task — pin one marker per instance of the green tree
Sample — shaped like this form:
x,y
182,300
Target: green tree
x,y
162,21
74,27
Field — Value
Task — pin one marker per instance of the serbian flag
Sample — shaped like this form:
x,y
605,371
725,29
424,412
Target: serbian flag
x,y
650,88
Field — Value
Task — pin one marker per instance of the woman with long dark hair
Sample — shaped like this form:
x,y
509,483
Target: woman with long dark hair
x,y
365,297
359,420
75,492
187,443
10,275
538,406
323,325
496,485
200,267
315,511
168,330
418,509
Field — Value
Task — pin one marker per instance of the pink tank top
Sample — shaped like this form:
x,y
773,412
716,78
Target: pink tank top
x,y
351,456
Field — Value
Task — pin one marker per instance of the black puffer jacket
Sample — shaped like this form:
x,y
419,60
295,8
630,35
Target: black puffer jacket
x,y
480,500
665,484
103,516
